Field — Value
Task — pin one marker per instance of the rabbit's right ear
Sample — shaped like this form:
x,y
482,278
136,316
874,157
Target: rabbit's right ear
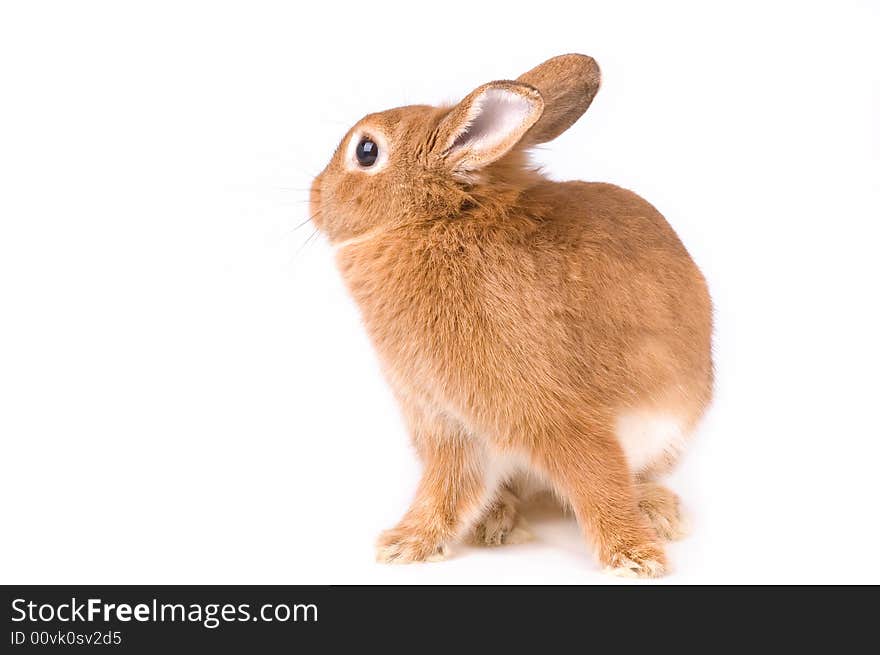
x,y
568,84
486,125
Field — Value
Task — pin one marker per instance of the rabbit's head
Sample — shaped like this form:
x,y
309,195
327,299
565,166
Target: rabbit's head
x,y
420,162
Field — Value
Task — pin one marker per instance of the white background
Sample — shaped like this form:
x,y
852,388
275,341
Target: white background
x,y
186,392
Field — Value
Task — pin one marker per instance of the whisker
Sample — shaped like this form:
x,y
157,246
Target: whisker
x,y
288,201
310,219
305,222
305,243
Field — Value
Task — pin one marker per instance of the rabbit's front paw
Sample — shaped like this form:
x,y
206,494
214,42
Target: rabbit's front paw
x,y
403,546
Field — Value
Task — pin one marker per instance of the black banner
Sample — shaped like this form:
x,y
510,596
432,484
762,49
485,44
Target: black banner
x,y
276,619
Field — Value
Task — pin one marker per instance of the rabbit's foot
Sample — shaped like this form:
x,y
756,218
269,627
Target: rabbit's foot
x,y
663,509
501,524
404,545
644,561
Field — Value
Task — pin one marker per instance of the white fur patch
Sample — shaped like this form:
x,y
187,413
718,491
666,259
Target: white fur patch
x,y
647,435
353,241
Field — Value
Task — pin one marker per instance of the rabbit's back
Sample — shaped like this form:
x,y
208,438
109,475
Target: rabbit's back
x,y
609,292
638,305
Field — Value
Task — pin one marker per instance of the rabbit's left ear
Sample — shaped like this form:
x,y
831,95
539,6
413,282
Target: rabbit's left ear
x,y
568,84
487,124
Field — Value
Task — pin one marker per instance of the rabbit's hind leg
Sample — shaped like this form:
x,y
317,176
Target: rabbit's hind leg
x,y
589,469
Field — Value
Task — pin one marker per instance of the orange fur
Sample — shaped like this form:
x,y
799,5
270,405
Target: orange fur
x,y
516,318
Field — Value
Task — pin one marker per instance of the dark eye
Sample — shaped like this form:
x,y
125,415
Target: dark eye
x,y
367,152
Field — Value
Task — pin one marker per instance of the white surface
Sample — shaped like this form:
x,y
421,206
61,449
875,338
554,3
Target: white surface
x,y
186,394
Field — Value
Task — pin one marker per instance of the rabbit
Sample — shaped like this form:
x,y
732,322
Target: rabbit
x,y
537,335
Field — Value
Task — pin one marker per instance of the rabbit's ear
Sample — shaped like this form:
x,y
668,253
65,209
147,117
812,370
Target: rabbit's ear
x,y
487,124
568,84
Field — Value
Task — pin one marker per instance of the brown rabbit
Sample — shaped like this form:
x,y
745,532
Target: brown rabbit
x,y
537,334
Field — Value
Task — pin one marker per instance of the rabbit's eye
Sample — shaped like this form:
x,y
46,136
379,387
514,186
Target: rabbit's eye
x,y
366,152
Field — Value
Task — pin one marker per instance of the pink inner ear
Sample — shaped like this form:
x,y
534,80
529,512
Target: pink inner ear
x,y
497,115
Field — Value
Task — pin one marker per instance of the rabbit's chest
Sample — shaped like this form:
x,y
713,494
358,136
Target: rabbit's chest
x,y
442,332
441,341
438,340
